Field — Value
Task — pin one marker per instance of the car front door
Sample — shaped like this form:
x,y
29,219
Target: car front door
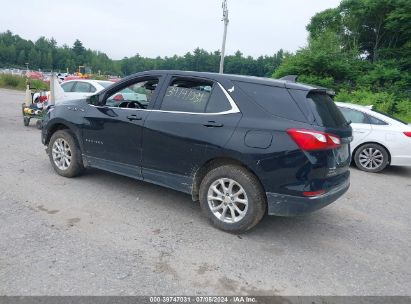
x,y
190,116
112,133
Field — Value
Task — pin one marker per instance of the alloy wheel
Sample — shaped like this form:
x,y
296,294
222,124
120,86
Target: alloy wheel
x,y
371,158
227,200
61,154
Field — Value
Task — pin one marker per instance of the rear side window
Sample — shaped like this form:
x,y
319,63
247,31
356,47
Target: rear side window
x,y
187,95
354,116
376,121
218,101
324,109
82,87
275,100
67,86
194,96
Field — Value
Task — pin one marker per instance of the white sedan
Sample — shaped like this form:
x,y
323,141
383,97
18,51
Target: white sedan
x,y
81,88
379,140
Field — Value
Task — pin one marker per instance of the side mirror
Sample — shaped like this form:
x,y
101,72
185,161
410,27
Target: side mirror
x,y
95,100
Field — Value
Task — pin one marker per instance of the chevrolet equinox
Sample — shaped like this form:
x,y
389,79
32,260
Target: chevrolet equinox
x,y
242,146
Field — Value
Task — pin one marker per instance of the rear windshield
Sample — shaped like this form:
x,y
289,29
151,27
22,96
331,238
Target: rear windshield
x,y
325,111
274,100
392,117
105,84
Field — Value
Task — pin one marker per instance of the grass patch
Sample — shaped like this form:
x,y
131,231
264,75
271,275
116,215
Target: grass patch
x,y
19,83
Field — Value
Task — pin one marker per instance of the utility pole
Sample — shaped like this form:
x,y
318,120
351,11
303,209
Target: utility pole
x,y
226,21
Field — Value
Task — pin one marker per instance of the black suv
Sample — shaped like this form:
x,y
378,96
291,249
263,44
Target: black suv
x,y
242,146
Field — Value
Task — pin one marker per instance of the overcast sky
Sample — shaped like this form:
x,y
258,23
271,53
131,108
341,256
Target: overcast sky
x,y
153,28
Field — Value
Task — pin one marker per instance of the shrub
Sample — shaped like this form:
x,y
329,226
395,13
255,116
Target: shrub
x,y
12,81
19,82
382,101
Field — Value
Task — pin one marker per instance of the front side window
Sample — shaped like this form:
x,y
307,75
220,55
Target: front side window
x,y
354,116
137,95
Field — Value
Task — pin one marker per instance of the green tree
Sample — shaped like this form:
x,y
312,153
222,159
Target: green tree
x,y
34,60
21,59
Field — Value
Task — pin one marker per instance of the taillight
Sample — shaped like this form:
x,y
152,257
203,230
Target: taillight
x,y
118,97
313,193
407,134
310,140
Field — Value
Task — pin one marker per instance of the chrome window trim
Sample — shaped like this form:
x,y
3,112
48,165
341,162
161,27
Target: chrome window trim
x,y
234,107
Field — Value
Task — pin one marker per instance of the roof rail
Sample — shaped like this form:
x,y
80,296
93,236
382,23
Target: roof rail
x,y
290,78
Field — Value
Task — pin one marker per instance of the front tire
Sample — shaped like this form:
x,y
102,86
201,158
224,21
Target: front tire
x,y
64,154
232,198
371,158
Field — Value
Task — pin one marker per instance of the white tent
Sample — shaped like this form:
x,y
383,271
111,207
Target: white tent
x,y
56,91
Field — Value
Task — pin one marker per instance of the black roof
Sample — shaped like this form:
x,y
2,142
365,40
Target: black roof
x,y
233,77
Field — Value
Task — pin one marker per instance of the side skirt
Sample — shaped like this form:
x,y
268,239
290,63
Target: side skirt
x,y
174,181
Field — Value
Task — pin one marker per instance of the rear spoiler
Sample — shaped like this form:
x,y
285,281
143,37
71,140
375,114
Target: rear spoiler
x,y
290,78
293,79
323,90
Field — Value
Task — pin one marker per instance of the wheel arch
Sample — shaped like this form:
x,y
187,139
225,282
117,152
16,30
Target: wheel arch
x,y
59,125
375,143
212,164
53,129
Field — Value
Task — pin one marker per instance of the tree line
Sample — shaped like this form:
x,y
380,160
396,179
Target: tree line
x,y
44,54
361,49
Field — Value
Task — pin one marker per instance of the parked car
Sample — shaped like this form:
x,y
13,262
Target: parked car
x,y
82,88
242,146
125,96
379,140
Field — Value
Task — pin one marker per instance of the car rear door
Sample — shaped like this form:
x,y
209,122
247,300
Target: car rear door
x,y
80,90
360,124
191,115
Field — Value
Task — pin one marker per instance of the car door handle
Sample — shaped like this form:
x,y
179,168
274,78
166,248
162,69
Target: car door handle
x,y
213,124
134,117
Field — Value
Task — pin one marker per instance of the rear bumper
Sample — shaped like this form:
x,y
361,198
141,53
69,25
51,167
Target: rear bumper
x,y
403,160
289,205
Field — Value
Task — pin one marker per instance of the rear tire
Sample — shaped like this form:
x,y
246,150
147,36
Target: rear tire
x,y
237,191
371,158
65,155
39,124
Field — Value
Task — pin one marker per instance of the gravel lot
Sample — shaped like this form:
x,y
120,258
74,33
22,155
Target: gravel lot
x,y
104,234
